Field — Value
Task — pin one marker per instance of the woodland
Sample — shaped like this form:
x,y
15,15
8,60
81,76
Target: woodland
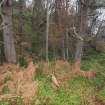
x,y
52,52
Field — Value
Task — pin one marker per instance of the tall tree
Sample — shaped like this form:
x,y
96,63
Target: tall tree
x,y
21,20
61,13
47,30
21,7
8,35
83,16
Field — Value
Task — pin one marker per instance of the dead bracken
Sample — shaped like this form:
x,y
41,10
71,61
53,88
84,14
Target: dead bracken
x,y
20,82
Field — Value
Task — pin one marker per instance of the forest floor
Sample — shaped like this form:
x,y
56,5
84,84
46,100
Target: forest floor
x,y
53,84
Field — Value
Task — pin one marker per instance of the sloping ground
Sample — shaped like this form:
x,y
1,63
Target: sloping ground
x,y
54,84
82,88
77,91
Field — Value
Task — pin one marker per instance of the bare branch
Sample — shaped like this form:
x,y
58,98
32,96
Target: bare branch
x,y
77,35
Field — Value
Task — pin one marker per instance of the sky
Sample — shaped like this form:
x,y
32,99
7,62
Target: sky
x,y
101,17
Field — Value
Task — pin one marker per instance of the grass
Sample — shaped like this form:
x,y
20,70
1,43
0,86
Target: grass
x,y
4,103
5,90
48,96
101,94
97,62
80,90
14,101
84,88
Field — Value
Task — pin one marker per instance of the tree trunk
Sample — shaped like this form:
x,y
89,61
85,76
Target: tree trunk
x,y
82,32
21,10
63,49
67,45
78,54
9,47
21,24
1,49
47,31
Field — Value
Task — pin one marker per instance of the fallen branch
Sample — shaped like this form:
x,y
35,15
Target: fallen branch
x,y
55,81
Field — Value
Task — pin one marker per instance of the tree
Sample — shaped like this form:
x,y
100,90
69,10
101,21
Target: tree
x,y
62,24
21,11
83,14
47,30
8,35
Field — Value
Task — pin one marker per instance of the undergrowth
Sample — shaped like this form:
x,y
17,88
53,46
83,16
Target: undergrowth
x,y
80,90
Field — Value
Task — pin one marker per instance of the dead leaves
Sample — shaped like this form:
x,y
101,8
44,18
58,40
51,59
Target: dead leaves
x,y
87,74
21,82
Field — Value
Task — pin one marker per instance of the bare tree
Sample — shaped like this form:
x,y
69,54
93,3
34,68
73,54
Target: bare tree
x,y
83,14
